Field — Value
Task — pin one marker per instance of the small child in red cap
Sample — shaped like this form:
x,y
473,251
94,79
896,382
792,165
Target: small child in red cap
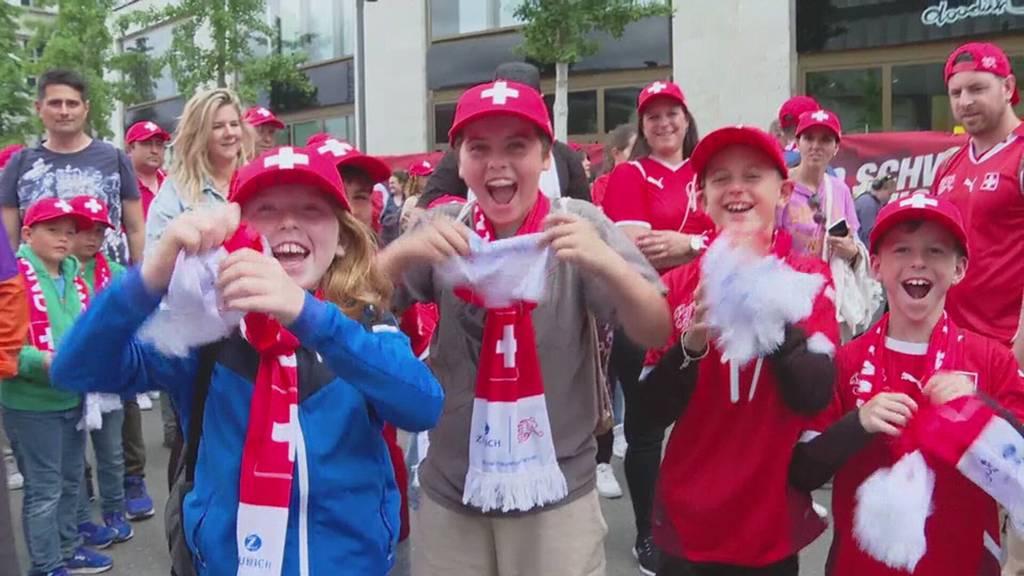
x,y
508,482
723,503
285,470
40,418
894,385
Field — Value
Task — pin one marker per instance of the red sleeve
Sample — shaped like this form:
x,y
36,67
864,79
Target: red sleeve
x,y
681,283
625,198
1005,380
821,327
839,406
377,204
598,189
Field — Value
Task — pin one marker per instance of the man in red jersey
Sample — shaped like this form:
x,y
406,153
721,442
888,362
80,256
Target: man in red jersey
x,y
985,180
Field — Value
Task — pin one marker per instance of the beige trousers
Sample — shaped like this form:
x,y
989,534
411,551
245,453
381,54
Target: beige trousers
x,y
565,541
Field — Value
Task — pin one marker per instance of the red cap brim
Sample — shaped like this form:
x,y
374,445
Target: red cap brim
x,y
270,178
723,138
885,225
458,126
663,96
376,169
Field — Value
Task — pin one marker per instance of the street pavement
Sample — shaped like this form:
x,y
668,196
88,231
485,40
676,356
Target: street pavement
x,y
146,553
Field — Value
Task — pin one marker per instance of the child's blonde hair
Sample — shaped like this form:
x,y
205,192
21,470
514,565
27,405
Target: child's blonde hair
x,y
190,167
353,280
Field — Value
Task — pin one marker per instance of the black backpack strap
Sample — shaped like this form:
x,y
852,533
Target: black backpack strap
x,y
201,388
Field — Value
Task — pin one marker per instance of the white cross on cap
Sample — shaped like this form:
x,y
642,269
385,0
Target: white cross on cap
x,y
988,62
285,159
93,206
500,93
63,206
656,87
263,112
919,201
336,147
820,116
151,127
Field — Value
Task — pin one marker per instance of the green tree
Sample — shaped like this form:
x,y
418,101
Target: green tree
x,y
242,52
79,39
560,32
15,95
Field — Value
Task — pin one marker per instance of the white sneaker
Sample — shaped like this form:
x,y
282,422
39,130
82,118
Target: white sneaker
x,y
607,485
15,481
145,403
619,444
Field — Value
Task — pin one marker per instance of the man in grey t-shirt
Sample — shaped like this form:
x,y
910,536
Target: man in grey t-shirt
x,y
70,163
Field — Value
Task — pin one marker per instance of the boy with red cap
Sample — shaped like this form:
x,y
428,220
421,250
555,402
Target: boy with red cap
x,y
985,180
723,503
891,380
508,483
284,416
146,144
360,173
265,125
39,418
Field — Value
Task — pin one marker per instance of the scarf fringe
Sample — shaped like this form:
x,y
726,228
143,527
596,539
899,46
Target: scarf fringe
x,y
520,491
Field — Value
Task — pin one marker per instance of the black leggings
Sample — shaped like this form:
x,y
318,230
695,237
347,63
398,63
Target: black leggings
x,y
643,457
672,566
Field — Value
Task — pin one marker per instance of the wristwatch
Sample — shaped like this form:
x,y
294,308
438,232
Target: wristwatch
x,y
698,244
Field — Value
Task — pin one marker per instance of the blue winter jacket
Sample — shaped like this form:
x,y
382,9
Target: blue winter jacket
x,y
350,381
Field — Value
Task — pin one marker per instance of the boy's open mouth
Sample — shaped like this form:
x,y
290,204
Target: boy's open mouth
x,y
917,288
290,252
502,190
738,207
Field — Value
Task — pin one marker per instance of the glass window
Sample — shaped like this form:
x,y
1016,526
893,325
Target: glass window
x,y
301,131
620,106
454,17
582,111
444,115
322,29
856,95
341,127
919,100
147,82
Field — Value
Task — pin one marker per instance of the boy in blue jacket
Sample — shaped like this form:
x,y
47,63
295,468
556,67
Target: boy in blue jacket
x,y
292,474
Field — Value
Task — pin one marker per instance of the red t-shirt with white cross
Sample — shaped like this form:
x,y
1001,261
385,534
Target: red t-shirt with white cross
x,y
989,191
723,494
963,530
648,192
146,194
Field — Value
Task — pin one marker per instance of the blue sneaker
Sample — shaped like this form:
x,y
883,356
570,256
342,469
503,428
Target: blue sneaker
x,y
86,561
95,535
138,505
117,522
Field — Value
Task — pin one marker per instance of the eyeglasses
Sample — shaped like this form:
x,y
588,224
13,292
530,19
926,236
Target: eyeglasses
x,y
815,204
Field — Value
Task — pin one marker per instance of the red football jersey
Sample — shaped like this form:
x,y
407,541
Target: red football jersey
x,y
646,192
723,492
963,530
990,195
146,194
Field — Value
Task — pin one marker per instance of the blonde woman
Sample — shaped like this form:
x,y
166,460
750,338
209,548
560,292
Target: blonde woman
x,y
209,144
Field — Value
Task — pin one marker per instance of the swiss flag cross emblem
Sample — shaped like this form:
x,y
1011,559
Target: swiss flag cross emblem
x,y
990,182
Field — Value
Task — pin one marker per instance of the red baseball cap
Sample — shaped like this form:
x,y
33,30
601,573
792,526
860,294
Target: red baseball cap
x,y
659,89
822,118
258,115
342,153
722,138
984,57
7,152
288,165
919,207
142,131
501,97
789,113
53,208
423,168
92,208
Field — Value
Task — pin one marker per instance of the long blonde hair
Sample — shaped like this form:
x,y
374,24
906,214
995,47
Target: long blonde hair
x,y
353,280
191,167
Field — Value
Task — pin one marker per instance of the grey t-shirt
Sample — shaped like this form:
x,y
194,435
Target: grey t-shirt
x,y
867,207
99,170
566,346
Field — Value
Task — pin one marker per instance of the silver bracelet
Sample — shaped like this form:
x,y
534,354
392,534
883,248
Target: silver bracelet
x,y
687,358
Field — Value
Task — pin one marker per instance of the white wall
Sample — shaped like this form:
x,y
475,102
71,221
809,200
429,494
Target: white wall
x,y
734,59
396,77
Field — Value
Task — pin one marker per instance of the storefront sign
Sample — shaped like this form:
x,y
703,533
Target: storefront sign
x,y
942,13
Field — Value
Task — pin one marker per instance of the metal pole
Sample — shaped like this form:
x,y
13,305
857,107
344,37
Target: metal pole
x,y
360,77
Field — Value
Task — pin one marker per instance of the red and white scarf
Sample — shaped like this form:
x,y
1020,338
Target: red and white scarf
x,y
40,333
512,460
101,272
272,441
